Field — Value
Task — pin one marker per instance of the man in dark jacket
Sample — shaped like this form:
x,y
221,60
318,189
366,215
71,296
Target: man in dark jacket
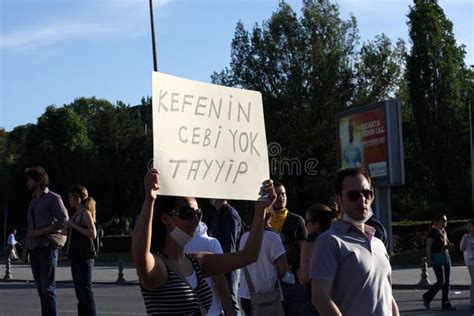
x,y
227,228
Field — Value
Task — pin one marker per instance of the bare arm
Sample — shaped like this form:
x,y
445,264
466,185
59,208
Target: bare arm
x,y
321,297
395,311
305,258
222,289
429,243
463,243
90,231
151,270
212,264
282,265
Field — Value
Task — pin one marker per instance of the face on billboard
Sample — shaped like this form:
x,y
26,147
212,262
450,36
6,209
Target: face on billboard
x,y
362,141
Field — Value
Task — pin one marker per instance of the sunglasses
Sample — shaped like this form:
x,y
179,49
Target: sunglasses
x,y
187,213
354,195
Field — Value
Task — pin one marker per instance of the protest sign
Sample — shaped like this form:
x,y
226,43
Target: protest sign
x,y
208,140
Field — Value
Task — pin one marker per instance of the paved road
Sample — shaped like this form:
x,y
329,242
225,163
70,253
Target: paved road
x,y
20,299
409,302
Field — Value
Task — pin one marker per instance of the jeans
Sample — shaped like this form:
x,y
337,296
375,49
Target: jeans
x,y
43,266
233,279
442,283
246,306
308,309
82,276
293,295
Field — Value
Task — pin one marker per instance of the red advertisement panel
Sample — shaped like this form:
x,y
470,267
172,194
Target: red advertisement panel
x,y
362,141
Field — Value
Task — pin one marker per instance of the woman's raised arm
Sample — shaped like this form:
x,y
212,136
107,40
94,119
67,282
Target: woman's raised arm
x,y
212,264
150,269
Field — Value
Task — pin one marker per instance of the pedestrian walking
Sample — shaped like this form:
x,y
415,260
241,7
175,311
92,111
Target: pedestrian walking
x,y
467,247
12,245
437,255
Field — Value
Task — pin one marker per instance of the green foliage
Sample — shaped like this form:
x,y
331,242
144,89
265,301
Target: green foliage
x,y
437,155
90,142
303,67
308,66
378,70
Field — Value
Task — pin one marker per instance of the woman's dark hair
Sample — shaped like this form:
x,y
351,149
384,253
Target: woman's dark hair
x,y
322,214
437,218
39,175
163,204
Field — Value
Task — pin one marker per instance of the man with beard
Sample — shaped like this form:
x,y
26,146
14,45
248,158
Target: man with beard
x,y
46,215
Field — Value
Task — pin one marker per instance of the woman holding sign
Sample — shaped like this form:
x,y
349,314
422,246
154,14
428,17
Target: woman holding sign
x,y
173,282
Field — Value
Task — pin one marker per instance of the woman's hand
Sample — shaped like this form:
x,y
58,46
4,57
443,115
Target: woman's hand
x,y
267,194
152,183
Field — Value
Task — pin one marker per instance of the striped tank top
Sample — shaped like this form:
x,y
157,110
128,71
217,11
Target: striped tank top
x,y
175,297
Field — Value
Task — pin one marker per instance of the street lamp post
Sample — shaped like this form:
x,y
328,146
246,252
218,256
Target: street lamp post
x,y
472,159
472,150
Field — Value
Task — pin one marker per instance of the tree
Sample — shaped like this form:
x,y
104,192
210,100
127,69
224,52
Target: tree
x,y
379,70
435,75
304,67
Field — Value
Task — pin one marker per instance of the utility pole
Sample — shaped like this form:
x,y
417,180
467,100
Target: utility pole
x,y
155,66
471,132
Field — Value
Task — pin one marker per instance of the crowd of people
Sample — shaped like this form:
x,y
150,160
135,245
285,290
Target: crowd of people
x,y
332,261
328,263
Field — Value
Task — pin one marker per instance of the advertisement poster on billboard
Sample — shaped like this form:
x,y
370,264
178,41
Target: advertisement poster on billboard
x,y
363,141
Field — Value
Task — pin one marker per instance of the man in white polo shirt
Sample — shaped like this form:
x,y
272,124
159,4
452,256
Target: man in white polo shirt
x,y
350,268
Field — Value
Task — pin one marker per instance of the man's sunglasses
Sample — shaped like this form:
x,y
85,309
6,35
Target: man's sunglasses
x,y
187,213
354,195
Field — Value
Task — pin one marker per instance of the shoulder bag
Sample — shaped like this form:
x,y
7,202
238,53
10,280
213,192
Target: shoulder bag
x,y
264,303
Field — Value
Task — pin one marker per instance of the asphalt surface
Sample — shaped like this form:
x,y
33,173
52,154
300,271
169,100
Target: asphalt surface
x,y
19,297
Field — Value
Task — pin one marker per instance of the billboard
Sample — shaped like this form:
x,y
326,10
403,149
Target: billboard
x,y
371,137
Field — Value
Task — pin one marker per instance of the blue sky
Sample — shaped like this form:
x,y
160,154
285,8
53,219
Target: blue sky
x,y
53,51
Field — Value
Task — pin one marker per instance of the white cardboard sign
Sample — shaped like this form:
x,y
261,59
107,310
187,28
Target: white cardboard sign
x,y
208,140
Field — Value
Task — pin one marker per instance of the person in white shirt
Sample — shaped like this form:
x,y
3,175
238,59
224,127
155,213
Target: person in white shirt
x,y
269,267
220,289
12,242
467,246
